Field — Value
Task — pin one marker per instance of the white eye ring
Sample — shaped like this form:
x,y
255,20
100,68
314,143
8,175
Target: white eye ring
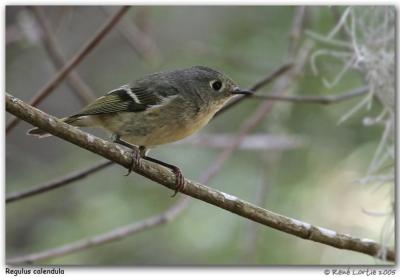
x,y
216,85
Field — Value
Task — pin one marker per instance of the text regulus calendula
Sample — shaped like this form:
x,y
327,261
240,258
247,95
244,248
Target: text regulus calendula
x,y
159,108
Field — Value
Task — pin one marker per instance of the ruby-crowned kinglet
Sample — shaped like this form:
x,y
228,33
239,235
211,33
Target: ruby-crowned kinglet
x,y
157,109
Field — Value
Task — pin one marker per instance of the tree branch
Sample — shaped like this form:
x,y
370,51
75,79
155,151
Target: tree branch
x,y
263,82
56,56
196,190
116,234
59,182
139,40
324,100
90,45
297,28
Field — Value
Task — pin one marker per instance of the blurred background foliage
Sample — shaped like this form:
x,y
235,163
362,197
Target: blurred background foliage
x,y
313,183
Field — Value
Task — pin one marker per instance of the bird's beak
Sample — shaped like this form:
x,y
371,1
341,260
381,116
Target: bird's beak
x,y
242,91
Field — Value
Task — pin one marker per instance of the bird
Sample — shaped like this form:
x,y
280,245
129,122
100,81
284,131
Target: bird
x,y
157,109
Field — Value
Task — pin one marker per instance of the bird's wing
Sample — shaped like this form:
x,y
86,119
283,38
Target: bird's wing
x,y
125,99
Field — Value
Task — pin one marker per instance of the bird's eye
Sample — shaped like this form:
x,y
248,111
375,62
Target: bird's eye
x,y
216,85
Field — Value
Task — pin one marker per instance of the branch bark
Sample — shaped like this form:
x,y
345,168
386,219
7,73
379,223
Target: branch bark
x,y
196,190
91,44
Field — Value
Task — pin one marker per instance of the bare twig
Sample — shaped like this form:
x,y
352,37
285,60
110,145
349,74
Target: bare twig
x,y
253,121
163,176
55,53
113,235
90,45
253,230
263,82
280,87
140,41
324,100
59,182
297,28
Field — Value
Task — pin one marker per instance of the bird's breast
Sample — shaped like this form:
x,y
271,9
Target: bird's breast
x,y
160,126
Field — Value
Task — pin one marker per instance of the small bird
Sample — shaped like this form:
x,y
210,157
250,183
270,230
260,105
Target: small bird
x,y
157,109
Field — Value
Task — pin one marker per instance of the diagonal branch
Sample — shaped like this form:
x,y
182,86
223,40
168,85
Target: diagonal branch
x,y
77,59
116,234
59,182
56,56
297,28
196,190
263,82
139,40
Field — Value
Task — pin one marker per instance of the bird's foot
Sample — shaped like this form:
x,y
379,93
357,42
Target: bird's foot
x,y
135,160
179,180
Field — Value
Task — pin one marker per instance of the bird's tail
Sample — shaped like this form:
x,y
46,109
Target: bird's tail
x,y
78,121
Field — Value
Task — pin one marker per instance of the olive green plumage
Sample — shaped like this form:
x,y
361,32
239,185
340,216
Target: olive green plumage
x,y
159,108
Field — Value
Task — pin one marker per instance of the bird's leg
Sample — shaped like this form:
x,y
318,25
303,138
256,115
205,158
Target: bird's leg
x,y
140,152
179,179
136,152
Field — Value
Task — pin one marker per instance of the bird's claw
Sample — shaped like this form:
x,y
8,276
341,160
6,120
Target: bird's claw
x,y
179,181
135,161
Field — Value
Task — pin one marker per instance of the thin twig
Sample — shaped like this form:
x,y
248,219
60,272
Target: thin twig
x,y
59,182
90,45
56,56
324,100
163,176
263,82
140,41
280,87
275,74
253,230
297,28
113,235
